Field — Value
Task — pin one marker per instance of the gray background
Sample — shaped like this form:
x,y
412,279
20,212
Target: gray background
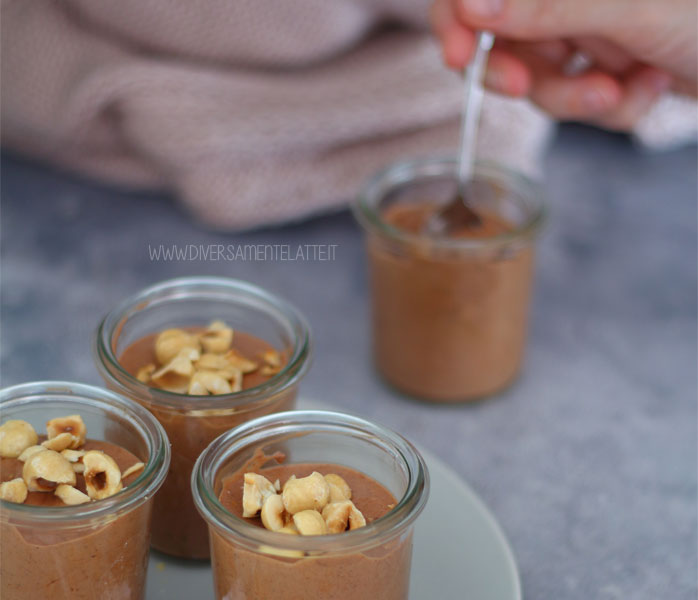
x,y
589,462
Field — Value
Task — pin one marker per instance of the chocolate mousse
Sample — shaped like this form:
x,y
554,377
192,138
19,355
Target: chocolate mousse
x,y
300,500
102,559
198,361
449,320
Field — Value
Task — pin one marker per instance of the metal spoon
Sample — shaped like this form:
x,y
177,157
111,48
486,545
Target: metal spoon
x,y
458,213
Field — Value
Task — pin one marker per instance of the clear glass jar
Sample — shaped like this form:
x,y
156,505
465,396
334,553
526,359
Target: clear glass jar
x,y
450,314
92,551
250,562
192,422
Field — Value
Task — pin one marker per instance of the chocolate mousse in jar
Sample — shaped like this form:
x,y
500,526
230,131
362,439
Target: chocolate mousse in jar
x,y
449,305
203,354
310,505
79,466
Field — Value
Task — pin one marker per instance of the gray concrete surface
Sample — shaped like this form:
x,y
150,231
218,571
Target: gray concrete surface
x,y
589,462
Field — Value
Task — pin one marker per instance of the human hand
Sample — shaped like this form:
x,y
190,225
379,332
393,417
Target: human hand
x,y
639,49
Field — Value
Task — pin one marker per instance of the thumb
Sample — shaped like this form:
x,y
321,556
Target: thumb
x,y
540,19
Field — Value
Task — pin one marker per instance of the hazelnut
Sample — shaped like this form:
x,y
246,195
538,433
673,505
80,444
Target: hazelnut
x,y
282,552
73,425
273,513
290,529
237,360
145,373
102,475
306,493
309,522
268,371
203,383
196,388
74,457
175,375
356,518
339,489
59,443
171,342
14,490
236,379
27,452
272,358
70,495
273,363
131,470
212,362
255,490
217,337
338,515
44,471
15,437
218,364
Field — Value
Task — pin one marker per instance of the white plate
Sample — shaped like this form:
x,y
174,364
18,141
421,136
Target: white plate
x,y
465,556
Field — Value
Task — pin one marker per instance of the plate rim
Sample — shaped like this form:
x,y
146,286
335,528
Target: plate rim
x,y
458,481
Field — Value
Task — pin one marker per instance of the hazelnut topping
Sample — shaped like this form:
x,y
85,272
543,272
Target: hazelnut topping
x,y
15,437
102,475
312,505
52,465
203,364
72,425
44,471
14,490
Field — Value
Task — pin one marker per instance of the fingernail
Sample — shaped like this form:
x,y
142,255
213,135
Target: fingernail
x,y
485,9
596,100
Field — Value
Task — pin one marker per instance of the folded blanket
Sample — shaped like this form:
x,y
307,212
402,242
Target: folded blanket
x,y
252,112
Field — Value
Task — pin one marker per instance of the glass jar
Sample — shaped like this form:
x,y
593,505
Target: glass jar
x,y
450,314
250,562
192,422
92,551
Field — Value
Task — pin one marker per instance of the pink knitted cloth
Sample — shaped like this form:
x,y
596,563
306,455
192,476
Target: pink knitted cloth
x,y
252,112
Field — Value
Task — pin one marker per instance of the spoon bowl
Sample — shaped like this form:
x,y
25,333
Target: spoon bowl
x,y
458,213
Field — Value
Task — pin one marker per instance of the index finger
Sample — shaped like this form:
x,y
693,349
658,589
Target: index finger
x,y
457,41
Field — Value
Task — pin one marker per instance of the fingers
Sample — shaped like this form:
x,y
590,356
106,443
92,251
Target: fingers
x,y
556,52
641,92
598,97
457,46
507,74
614,94
606,55
538,19
581,98
457,42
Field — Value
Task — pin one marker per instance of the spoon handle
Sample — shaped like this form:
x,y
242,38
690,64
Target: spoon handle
x,y
473,92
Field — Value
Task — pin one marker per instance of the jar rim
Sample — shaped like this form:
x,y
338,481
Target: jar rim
x,y
407,509
132,496
112,370
423,169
